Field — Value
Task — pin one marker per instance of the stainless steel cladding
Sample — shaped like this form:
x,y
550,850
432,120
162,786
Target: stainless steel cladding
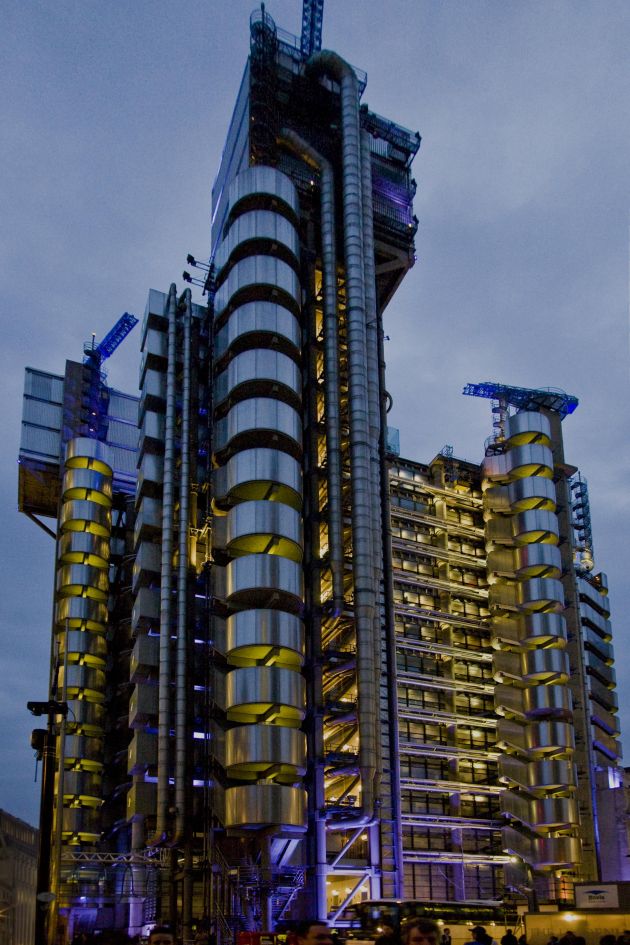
x,y
82,583
258,484
531,665
264,322
260,473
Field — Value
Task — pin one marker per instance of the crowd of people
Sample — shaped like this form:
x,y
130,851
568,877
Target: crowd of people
x,y
414,931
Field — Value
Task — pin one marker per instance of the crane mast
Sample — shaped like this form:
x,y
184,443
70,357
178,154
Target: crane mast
x,y
312,17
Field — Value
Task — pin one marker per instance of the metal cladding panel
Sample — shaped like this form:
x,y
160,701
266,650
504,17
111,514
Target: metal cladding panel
x,y
595,620
146,609
124,435
148,523
122,407
508,700
535,525
86,783
143,704
260,366
532,492
46,387
90,645
262,746
595,664
144,656
81,580
593,597
256,225
538,628
550,852
89,717
82,452
595,642
148,558
528,427
89,484
142,752
550,737
84,548
153,426
548,700
259,414
45,444
260,805
265,685
81,612
258,318
533,459
235,157
85,678
79,515
82,748
42,414
264,180
257,525
519,462
261,474
264,578
254,629
81,820
551,813
258,271
542,593
546,663
546,774
539,560
602,694
141,799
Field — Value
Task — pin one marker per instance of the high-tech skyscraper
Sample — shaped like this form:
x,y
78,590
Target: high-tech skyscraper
x,y
299,670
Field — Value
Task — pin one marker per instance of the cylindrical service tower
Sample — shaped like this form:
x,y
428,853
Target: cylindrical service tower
x,y
258,498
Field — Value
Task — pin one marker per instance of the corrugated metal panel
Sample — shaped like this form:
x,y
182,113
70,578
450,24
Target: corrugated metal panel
x,y
124,461
45,386
39,440
42,413
122,434
122,407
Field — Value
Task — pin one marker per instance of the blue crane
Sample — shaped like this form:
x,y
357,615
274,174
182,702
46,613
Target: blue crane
x,y
95,354
524,398
312,18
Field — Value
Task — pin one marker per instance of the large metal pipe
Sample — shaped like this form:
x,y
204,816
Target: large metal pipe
x,y
182,585
390,628
373,329
166,574
331,358
362,553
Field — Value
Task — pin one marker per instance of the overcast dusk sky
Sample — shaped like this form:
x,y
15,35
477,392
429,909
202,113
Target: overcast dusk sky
x,y
113,118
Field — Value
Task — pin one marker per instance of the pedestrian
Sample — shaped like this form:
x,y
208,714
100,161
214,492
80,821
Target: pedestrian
x,y
481,937
509,938
419,931
313,932
386,935
445,938
162,935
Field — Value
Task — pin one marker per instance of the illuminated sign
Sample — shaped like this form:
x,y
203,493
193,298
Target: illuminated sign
x,y
597,896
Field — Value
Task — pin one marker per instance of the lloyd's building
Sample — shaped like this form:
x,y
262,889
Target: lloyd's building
x,y
300,670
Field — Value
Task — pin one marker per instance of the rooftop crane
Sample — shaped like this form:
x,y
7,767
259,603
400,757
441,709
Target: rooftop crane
x,y
312,17
525,398
95,354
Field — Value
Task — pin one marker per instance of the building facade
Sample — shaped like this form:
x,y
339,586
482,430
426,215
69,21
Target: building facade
x,y
18,874
300,670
